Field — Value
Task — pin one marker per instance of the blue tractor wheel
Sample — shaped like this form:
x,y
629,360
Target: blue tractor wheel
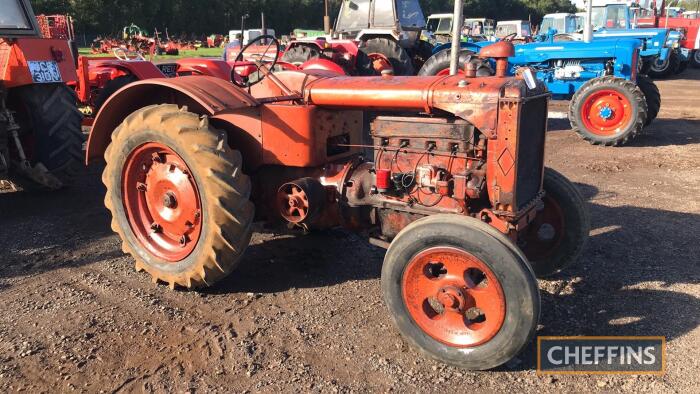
x,y
608,111
664,69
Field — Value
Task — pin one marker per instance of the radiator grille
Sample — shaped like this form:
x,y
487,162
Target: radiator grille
x,y
533,125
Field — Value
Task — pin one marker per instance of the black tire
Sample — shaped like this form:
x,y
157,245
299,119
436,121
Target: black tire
x,y
507,263
563,249
667,68
623,87
441,61
399,58
652,96
110,88
421,52
51,115
695,58
682,66
226,211
300,54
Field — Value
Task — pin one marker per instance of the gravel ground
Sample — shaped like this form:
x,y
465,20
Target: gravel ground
x,y
305,313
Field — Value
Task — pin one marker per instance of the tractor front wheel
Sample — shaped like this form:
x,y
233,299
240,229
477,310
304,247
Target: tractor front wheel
x,y
556,238
460,291
439,64
178,198
383,52
608,111
666,68
695,58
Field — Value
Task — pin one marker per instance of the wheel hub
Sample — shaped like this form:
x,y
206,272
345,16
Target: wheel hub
x,y
453,296
162,201
546,232
606,112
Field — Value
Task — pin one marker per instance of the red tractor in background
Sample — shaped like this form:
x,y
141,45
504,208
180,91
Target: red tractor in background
x,y
657,16
370,36
40,133
456,190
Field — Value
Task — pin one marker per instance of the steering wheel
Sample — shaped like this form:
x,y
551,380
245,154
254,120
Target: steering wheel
x,y
242,80
122,54
510,37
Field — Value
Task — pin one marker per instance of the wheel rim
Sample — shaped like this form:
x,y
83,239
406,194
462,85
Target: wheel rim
x,y
696,56
453,297
162,202
606,112
380,62
545,234
660,66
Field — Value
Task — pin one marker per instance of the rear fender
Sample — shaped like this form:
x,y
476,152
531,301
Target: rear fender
x,y
142,69
228,107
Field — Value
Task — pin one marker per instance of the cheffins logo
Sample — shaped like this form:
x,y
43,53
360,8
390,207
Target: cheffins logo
x,y
601,355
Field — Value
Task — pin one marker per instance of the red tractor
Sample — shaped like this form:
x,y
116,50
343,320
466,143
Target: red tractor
x,y
373,36
456,190
40,135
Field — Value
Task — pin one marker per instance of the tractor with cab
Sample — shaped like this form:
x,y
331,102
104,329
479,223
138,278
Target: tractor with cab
x,y
370,36
455,187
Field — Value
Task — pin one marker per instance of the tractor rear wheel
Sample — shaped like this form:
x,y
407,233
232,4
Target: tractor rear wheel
x,y
682,66
56,137
178,198
556,238
652,96
460,291
695,58
608,111
383,50
439,64
666,68
300,54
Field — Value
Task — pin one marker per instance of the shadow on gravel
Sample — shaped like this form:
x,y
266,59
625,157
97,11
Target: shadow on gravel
x,y
661,132
667,132
609,291
44,231
303,261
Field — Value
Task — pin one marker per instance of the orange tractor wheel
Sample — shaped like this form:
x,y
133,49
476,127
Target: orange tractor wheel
x,y
460,291
178,198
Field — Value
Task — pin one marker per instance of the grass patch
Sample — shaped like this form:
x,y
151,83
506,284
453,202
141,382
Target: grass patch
x,y
201,52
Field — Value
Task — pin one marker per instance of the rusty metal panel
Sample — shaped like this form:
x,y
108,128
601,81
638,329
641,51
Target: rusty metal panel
x,y
298,135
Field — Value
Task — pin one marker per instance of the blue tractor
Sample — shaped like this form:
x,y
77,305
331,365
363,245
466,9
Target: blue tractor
x,y
660,54
610,101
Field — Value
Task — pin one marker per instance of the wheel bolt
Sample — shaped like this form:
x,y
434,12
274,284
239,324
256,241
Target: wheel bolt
x,y
156,227
183,240
156,157
141,186
197,214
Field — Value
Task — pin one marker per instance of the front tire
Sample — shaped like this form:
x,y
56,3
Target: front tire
x,y
608,111
695,58
178,198
556,238
666,68
460,291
